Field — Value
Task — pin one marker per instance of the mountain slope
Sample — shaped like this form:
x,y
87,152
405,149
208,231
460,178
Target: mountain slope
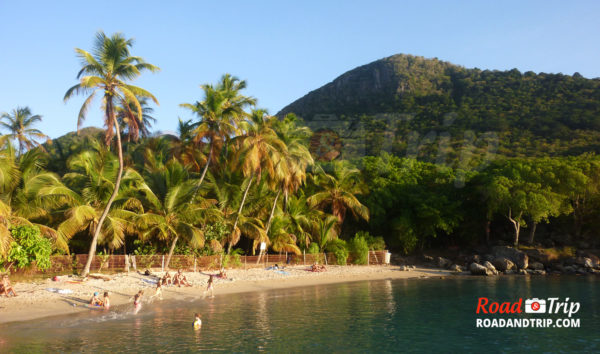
x,y
416,99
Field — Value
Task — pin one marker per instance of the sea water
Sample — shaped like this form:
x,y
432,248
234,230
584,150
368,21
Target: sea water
x,y
414,315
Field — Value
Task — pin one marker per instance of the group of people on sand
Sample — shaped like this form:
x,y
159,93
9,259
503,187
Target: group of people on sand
x,y
6,287
104,302
177,279
317,268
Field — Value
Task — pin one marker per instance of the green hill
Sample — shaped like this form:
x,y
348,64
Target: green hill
x,y
438,111
63,147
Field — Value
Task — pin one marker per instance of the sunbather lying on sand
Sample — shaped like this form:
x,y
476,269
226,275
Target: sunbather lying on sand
x,y
317,268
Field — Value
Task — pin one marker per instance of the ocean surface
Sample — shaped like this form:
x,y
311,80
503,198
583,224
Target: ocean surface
x,y
414,315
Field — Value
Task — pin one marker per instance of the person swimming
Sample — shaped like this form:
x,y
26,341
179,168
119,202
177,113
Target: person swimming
x,y
106,301
197,321
95,300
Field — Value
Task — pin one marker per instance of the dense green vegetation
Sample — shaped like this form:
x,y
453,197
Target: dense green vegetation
x,y
412,104
235,176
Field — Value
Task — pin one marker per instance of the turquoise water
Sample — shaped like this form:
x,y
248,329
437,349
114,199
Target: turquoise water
x,y
420,315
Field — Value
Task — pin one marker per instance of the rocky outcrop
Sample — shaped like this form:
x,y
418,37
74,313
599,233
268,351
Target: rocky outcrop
x,y
443,262
490,267
456,268
503,264
520,259
536,266
478,269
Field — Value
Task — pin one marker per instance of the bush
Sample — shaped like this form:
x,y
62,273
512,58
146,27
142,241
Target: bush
x,y
313,248
28,247
359,248
375,243
339,249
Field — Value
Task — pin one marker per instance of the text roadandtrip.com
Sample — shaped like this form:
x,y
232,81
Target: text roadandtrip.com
x,y
548,306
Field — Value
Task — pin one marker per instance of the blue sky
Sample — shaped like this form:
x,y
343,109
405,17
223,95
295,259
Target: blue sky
x,y
282,49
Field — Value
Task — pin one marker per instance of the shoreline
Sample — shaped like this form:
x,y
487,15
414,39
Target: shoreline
x,y
35,300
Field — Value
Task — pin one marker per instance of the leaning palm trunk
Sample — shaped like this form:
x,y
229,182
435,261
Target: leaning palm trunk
x,y
110,112
269,222
237,218
171,252
210,152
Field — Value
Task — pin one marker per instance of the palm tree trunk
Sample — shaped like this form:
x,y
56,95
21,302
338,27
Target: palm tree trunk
x,y
237,218
171,250
92,252
272,212
210,152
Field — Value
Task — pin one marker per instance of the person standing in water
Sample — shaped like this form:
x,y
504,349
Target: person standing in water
x,y
197,321
106,301
210,286
158,292
137,301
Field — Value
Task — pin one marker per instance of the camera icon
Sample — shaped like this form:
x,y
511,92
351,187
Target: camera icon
x,y
535,305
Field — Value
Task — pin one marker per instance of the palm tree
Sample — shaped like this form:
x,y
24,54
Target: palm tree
x,y
106,70
220,113
259,150
131,126
169,214
291,171
85,191
326,230
19,123
338,192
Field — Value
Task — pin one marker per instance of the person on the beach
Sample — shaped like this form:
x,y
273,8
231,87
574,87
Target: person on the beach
x,y
197,321
158,292
210,286
180,279
222,274
6,288
95,300
166,279
106,301
137,301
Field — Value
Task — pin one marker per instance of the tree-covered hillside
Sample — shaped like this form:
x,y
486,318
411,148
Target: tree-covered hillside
x,y
410,106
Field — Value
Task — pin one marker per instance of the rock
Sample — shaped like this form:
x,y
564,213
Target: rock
x,y
509,271
569,269
478,269
427,258
488,257
456,268
503,264
536,266
443,262
476,258
517,257
581,270
406,268
584,262
522,272
490,266
539,272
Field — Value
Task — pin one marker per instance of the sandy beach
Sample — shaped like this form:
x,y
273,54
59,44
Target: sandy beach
x,y
46,297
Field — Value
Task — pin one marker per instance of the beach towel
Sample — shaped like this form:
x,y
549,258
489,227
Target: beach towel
x,y
282,272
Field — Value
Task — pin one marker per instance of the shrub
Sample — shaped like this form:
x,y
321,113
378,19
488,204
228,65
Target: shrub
x,y
313,248
339,249
375,243
29,246
359,249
